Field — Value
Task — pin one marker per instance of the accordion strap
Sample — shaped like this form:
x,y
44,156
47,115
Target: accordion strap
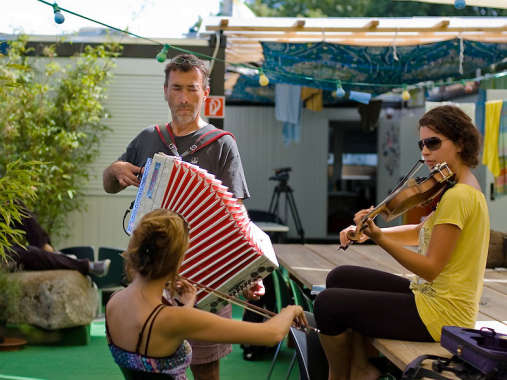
x,y
167,137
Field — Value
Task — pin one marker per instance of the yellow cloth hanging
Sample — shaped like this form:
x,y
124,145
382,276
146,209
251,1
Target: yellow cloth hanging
x,y
312,98
491,131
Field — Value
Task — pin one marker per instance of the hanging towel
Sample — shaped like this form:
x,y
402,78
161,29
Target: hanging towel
x,y
501,179
479,110
288,111
491,132
312,98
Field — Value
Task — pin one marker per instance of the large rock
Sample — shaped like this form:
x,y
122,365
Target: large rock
x,y
55,299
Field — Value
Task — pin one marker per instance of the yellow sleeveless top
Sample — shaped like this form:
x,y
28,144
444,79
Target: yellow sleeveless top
x,y
452,298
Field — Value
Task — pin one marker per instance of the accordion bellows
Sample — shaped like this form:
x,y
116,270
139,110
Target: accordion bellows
x,y
226,250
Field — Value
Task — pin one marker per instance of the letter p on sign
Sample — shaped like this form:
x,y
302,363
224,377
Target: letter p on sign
x,y
214,107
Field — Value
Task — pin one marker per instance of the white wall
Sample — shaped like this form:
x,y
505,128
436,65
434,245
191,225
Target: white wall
x,y
259,137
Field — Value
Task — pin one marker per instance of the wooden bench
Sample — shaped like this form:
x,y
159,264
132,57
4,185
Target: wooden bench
x,y
310,263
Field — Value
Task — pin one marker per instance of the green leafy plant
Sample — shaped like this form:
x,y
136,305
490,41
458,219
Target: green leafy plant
x,y
13,193
18,186
54,114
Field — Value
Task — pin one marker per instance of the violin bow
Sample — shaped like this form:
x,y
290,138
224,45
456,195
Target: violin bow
x,y
415,168
245,305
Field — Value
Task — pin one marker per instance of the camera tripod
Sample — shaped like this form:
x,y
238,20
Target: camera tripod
x,y
283,187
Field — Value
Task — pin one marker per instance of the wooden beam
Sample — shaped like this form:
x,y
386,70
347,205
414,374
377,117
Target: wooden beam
x,y
253,39
300,23
441,25
373,24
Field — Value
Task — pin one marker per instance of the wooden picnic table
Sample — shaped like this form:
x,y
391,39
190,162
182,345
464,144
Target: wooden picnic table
x,y
310,263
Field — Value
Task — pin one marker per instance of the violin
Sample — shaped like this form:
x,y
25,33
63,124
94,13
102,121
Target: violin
x,y
407,194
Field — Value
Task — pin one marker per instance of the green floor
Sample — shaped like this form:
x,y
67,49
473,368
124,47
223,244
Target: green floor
x,y
95,362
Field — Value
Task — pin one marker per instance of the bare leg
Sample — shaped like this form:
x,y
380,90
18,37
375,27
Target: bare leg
x,y
207,371
338,353
360,367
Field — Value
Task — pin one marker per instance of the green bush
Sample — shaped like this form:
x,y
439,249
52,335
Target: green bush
x,y
54,114
18,184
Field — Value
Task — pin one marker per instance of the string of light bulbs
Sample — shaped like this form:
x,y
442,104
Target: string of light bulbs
x,y
339,92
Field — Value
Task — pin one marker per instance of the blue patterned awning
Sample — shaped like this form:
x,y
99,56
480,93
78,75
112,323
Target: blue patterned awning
x,y
320,65
248,89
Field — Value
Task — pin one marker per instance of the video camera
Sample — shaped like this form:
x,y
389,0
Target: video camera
x,y
281,174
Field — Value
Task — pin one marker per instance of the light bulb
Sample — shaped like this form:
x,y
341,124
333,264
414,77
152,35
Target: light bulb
x,y
162,55
263,79
59,17
459,4
339,92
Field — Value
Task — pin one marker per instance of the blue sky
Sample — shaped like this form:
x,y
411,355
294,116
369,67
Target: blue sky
x,y
148,18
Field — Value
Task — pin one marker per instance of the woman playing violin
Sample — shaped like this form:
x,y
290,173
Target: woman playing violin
x,y
146,335
449,265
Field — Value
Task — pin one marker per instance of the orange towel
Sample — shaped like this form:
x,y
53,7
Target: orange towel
x,y
312,98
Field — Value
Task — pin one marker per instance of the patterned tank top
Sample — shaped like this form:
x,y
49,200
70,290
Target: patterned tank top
x,y
174,365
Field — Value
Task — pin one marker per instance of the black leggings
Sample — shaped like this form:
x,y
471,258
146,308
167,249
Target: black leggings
x,y
371,302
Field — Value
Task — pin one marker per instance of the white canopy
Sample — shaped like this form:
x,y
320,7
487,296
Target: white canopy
x,y
244,34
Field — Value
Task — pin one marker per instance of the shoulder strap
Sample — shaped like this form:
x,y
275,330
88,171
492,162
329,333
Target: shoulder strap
x,y
207,138
141,333
167,138
151,327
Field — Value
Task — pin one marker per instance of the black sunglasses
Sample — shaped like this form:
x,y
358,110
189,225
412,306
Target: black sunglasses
x,y
432,143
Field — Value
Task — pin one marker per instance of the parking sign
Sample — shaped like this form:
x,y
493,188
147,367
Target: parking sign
x,y
214,107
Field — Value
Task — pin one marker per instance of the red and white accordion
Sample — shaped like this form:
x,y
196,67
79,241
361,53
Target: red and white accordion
x,y
226,250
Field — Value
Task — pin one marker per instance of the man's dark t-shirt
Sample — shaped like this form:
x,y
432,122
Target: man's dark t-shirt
x,y
220,158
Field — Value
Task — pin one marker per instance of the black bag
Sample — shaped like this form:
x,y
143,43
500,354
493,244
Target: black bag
x,y
478,354
267,301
